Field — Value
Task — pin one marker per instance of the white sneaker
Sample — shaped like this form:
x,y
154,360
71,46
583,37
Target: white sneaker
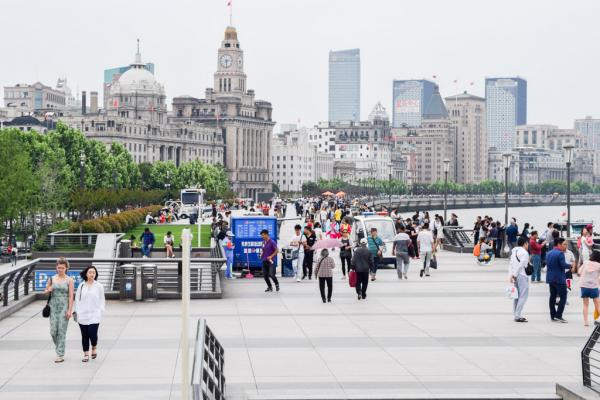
x,y
298,280
144,256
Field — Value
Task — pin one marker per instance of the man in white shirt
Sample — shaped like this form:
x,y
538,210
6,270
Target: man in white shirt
x,y
517,276
426,248
297,242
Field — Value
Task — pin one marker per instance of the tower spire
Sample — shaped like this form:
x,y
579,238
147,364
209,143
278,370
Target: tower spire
x,y
138,56
230,5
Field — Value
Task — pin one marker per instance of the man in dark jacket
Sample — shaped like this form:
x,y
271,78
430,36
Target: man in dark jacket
x,y
556,279
362,263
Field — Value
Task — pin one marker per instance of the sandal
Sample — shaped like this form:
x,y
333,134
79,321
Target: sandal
x,y
85,358
94,355
59,360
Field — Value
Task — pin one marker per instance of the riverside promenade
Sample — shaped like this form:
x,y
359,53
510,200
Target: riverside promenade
x,y
449,334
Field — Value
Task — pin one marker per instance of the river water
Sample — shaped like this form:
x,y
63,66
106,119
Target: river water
x,y
537,217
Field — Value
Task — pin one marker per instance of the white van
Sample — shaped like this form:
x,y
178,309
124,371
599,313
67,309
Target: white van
x,y
386,230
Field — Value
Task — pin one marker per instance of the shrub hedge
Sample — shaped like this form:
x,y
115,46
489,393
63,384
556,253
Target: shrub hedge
x,y
115,223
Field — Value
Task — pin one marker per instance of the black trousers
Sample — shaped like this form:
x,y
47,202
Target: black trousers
x,y
268,270
329,282
557,290
307,264
362,281
89,333
345,260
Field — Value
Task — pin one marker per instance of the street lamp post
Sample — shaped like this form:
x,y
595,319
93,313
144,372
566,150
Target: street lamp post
x,y
390,165
506,158
446,170
168,184
568,158
81,169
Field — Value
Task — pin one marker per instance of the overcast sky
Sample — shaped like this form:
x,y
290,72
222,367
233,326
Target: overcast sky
x,y
554,44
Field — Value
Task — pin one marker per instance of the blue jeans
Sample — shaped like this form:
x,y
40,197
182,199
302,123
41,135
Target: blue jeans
x,y
229,264
536,260
146,249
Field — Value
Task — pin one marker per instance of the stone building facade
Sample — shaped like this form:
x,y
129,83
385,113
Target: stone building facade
x,y
245,123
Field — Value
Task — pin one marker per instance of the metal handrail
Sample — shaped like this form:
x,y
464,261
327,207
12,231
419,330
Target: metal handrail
x,y
586,361
16,282
207,380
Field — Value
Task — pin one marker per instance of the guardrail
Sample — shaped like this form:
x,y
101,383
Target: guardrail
x,y
457,239
16,283
73,241
590,361
207,381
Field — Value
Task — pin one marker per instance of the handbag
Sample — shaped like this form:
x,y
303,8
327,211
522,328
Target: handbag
x,y
352,278
46,310
379,252
528,268
433,263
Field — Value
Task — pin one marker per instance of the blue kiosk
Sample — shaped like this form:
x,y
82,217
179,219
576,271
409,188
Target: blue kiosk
x,y
247,240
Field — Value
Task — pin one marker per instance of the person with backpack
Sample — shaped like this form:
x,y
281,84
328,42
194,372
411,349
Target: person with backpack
x,y
519,259
402,244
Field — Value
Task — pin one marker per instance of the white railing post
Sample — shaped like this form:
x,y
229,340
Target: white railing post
x,y
185,313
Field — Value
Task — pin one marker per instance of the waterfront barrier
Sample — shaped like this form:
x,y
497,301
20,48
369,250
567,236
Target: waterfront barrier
x,y
207,381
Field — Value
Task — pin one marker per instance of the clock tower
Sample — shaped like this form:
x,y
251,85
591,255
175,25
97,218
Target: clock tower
x,y
230,77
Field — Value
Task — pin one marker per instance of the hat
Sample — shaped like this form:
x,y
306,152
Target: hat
x,y
229,233
363,241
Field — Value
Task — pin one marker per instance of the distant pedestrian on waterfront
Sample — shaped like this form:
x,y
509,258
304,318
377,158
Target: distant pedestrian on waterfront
x,y
324,271
297,243
402,243
519,259
426,248
556,278
535,249
590,276
89,306
362,263
307,264
345,252
585,244
60,287
512,232
269,251
228,247
525,232
376,247
147,240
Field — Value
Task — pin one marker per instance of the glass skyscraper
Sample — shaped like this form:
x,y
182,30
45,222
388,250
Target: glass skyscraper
x,y
589,128
506,107
344,85
411,98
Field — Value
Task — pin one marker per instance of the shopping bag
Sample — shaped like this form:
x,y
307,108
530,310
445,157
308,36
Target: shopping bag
x,y
512,292
596,315
433,263
352,278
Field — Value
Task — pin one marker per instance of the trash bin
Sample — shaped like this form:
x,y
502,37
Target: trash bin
x,y
149,282
125,249
287,263
127,287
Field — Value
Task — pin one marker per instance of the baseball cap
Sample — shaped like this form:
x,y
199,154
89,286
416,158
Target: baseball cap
x,y
229,233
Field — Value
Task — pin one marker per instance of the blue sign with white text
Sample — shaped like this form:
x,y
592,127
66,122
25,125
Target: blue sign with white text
x,y
41,278
247,240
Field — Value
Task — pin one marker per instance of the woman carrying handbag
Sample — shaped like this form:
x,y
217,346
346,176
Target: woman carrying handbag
x,y
89,306
60,287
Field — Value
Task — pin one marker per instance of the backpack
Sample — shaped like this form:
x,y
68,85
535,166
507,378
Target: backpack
x,y
477,250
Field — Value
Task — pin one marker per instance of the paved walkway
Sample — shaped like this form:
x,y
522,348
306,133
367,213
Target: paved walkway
x,y
450,333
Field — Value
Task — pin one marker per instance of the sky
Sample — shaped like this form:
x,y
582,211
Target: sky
x,y
551,43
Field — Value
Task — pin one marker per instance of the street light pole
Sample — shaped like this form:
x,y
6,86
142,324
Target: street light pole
x,y
81,169
506,158
446,170
568,156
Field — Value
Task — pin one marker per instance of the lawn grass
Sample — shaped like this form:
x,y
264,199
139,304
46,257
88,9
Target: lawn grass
x,y
161,230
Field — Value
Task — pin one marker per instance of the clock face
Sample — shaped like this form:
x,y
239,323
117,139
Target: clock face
x,y
226,61
240,62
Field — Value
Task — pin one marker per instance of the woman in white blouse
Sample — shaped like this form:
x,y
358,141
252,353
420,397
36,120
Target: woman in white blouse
x,y
89,306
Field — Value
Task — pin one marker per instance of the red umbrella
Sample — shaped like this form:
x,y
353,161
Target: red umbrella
x,y
327,244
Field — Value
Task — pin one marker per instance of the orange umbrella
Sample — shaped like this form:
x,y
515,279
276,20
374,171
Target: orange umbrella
x,y
340,194
327,194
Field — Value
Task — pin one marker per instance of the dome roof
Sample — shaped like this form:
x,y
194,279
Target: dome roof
x,y
230,33
137,79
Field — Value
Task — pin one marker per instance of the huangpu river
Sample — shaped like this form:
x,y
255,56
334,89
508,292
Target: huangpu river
x,y
537,217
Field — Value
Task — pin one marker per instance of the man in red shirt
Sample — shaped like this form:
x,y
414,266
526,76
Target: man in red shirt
x,y
535,249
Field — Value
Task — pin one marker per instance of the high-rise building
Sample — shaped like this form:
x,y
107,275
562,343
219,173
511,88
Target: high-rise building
x,y
411,99
506,107
590,129
294,160
344,85
467,114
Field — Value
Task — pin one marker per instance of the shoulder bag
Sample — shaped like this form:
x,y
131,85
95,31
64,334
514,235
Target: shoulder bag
x,y
46,310
528,268
318,266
